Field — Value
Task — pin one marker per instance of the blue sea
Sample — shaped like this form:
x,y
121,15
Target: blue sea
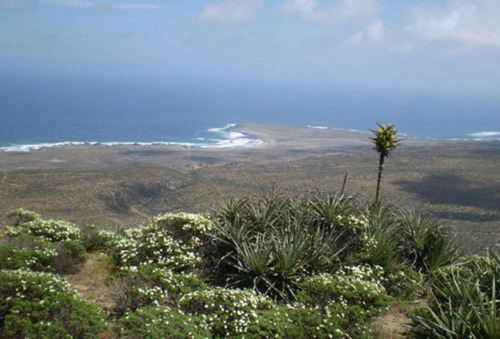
x,y
38,111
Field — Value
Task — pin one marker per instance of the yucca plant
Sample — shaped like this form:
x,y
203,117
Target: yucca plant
x,y
465,302
270,244
381,237
424,243
327,210
385,141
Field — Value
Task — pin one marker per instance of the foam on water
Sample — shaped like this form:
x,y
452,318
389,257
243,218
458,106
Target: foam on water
x,y
228,140
486,135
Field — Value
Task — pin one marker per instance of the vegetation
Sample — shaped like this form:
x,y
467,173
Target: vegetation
x,y
464,301
274,266
385,142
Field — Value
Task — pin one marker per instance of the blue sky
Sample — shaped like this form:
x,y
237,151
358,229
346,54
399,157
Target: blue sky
x,y
448,46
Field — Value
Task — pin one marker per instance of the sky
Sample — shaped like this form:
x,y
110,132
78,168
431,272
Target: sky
x,y
441,46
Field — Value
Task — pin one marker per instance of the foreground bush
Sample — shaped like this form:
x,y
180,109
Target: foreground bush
x,y
465,302
159,323
269,245
42,305
274,242
277,266
171,241
42,245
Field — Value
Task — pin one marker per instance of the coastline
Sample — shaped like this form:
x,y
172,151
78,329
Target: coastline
x,y
235,136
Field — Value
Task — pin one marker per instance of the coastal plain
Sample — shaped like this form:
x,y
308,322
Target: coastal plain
x,y
122,186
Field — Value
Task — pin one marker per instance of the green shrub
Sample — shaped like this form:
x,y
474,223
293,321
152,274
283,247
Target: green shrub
x,y
94,239
50,230
151,285
155,245
228,312
380,239
465,301
27,251
159,323
42,305
425,244
21,216
405,283
42,245
358,285
71,255
269,245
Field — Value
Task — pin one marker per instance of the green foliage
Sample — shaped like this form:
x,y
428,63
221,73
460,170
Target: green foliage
x,y
170,241
270,244
229,313
354,285
42,305
28,252
466,301
71,255
50,230
380,239
42,245
94,239
151,285
385,141
272,267
404,282
425,244
159,323
21,216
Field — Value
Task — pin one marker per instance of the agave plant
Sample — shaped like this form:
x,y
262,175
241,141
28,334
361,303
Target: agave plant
x,y
466,301
424,243
272,243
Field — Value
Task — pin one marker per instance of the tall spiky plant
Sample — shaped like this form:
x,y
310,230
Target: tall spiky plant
x,y
385,142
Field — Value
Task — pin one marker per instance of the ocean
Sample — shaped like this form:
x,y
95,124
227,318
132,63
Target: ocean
x,y
43,111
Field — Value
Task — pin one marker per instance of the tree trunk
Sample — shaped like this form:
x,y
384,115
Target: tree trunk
x,y
380,169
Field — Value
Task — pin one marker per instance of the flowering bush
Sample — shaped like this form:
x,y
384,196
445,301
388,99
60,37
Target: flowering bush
x,y
228,312
42,305
184,225
155,244
405,283
50,230
27,252
45,245
161,322
152,285
345,299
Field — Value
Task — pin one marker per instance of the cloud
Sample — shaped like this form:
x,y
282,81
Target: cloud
x,y
105,6
370,35
232,11
378,35
335,12
471,23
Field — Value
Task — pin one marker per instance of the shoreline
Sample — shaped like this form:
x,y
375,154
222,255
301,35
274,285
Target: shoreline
x,y
233,136
231,139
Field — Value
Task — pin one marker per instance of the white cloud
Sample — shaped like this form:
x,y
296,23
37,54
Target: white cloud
x,y
378,35
334,12
371,34
470,23
232,10
104,6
